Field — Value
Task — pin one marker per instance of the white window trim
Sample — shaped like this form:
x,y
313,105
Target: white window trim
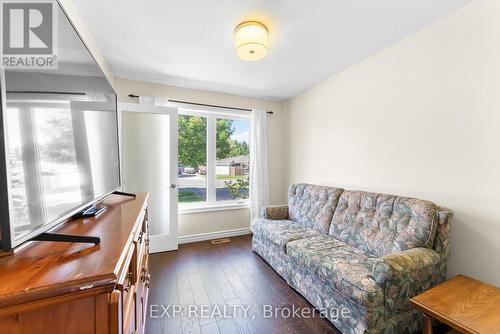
x,y
220,206
211,114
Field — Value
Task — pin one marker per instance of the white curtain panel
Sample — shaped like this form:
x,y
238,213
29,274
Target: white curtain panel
x,y
154,101
259,182
146,100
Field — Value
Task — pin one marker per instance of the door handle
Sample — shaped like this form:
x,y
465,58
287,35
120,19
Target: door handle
x,y
173,186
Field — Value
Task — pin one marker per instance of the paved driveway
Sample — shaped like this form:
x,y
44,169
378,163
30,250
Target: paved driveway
x,y
198,183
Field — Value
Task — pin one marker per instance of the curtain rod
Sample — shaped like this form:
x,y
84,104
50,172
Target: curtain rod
x,y
133,96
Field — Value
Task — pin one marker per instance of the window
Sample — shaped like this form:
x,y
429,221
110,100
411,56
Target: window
x,y
214,158
233,159
192,143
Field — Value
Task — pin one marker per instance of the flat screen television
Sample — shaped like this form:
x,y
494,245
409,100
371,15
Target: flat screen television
x,y
58,140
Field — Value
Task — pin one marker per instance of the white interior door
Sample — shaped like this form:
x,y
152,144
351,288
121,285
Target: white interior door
x,y
148,144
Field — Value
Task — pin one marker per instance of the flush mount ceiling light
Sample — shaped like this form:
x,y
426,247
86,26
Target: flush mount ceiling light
x,y
251,40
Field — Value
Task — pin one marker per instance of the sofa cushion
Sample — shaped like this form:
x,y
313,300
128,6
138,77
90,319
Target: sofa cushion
x,y
339,265
381,224
280,232
312,206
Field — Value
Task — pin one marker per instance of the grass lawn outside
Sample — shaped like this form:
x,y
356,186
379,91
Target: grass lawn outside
x,y
232,177
189,196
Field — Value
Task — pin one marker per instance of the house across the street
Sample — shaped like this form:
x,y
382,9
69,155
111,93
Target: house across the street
x,y
232,165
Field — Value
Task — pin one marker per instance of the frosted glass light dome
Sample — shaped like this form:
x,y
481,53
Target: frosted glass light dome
x,y
251,40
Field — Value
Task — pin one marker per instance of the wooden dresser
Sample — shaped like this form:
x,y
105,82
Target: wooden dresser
x,y
56,287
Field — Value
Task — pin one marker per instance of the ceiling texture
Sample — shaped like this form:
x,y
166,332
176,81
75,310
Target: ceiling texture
x,y
189,43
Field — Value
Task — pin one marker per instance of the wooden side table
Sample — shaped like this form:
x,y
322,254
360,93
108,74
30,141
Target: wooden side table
x,y
463,303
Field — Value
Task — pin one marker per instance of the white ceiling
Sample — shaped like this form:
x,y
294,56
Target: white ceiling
x,y
190,42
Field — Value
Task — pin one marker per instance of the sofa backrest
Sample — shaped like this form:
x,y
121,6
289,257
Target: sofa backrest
x,y
312,206
381,224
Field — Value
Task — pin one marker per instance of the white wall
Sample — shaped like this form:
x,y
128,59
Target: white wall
x,y
191,224
420,118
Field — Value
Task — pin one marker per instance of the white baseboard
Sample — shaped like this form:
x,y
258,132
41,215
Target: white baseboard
x,y
213,235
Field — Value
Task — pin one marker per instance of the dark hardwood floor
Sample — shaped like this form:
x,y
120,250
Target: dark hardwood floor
x,y
222,278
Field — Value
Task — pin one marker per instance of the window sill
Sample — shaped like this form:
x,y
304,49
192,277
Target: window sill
x,y
213,208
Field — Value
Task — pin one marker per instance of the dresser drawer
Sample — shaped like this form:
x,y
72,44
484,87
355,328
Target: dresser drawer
x,y
142,291
141,243
127,286
129,315
135,284
126,276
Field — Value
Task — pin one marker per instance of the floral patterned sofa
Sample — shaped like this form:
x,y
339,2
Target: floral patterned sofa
x,y
367,253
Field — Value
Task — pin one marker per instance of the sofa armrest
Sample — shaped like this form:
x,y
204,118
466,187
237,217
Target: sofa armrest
x,y
404,263
405,274
278,212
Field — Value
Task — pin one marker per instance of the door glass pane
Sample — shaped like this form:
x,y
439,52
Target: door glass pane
x,y
146,164
192,170
233,159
